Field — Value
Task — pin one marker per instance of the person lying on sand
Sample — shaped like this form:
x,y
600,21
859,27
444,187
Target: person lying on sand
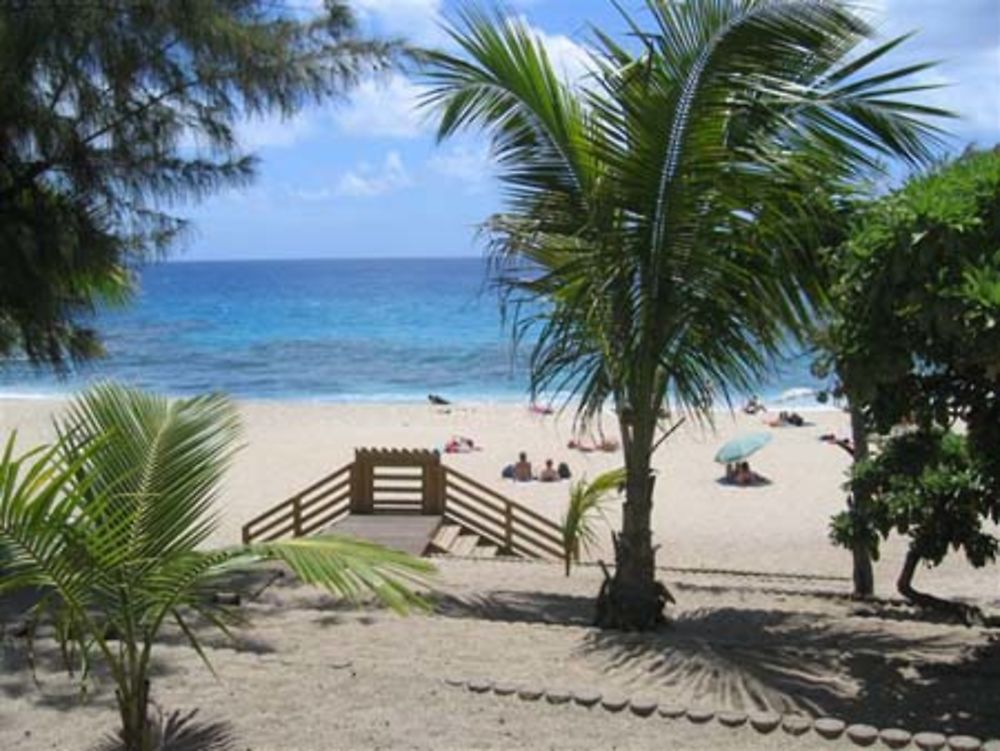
x,y
845,443
538,409
459,444
605,444
549,474
754,405
439,401
787,419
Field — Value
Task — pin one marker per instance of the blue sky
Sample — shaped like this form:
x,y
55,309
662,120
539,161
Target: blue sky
x,y
364,177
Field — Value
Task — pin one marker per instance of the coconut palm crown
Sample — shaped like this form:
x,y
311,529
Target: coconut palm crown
x,y
663,214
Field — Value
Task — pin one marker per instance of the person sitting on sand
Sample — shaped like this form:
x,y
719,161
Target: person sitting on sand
x,y
564,473
754,405
746,476
549,474
522,470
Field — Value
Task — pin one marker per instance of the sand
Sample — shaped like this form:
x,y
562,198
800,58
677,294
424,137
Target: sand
x,y
313,674
776,631
698,522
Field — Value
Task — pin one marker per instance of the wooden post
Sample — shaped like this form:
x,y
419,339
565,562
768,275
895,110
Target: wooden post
x,y
297,517
361,484
355,486
508,527
433,488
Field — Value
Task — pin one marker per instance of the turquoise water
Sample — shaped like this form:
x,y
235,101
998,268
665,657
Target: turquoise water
x,y
378,329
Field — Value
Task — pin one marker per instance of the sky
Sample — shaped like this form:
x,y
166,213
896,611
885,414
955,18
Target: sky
x,y
364,177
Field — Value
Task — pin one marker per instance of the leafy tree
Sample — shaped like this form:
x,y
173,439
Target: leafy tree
x,y
926,485
114,113
918,335
110,525
586,500
665,212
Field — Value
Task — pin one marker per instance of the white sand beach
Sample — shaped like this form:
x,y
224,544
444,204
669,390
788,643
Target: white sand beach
x,y
698,522
762,621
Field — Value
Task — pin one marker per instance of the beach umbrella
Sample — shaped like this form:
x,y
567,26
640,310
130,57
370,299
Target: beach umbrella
x,y
800,392
741,447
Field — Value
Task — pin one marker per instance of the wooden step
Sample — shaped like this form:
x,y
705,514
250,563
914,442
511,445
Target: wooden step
x,y
485,550
407,532
464,544
445,537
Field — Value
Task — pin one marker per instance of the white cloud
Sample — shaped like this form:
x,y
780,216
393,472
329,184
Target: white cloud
x,y
417,20
368,181
465,163
963,36
383,107
567,57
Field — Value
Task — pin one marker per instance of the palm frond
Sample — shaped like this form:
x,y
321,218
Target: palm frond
x,y
350,567
111,524
662,220
586,502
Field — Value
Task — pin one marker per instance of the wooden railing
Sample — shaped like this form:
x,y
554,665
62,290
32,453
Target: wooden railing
x,y
514,528
321,504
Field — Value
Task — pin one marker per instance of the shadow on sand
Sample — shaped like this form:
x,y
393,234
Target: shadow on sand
x,y
744,658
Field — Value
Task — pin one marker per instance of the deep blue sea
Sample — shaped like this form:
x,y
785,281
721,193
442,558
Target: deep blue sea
x,y
332,330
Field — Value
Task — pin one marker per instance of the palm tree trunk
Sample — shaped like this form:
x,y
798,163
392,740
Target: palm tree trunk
x,y
864,579
133,706
632,599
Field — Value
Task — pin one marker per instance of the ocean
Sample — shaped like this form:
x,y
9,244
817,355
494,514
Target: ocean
x,y
326,330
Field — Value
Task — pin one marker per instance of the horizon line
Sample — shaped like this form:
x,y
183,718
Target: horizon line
x,y
179,259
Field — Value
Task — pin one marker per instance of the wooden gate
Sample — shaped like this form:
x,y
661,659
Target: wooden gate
x,y
397,481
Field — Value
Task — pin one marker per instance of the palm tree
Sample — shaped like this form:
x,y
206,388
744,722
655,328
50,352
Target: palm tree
x,y
586,500
662,210
110,525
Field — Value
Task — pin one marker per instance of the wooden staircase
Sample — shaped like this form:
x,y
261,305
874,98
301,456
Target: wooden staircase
x,y
451,539
419,506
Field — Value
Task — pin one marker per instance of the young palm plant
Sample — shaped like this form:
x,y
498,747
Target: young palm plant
x,y
587,501
110,525
665,210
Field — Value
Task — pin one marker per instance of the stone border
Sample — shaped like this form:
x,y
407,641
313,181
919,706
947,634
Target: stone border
x,y
793,724
868,608
739,573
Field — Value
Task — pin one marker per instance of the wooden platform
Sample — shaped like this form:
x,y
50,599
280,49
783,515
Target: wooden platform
x,y
410,533
400,499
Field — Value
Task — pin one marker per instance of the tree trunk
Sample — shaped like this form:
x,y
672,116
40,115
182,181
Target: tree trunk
x,y
632,599
864,579
967,614
137,731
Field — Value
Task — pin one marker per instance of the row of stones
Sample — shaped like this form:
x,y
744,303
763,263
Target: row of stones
x,y
868,611
763,722
669,569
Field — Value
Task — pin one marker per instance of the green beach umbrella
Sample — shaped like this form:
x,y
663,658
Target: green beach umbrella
x,y
741,447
